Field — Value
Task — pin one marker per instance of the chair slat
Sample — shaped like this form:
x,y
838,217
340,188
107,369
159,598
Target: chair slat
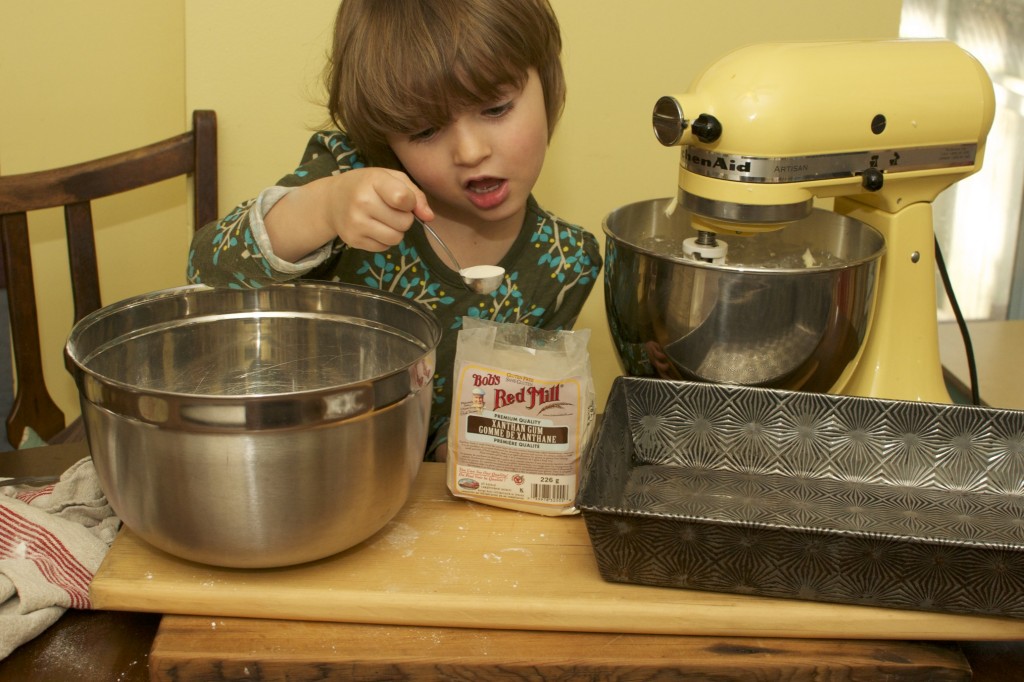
x,y
85,278
204,125
32,403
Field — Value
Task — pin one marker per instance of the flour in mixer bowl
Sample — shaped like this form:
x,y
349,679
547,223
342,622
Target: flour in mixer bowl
x,y
808,259
747,253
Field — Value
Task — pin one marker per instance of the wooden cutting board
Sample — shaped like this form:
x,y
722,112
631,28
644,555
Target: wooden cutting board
x,y
449,562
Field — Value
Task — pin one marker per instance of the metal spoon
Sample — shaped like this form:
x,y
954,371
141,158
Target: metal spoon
x,y
481,279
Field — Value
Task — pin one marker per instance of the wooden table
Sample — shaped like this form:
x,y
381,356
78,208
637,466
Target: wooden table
x,y
451,563
997,350
82,645
121,646
189,648
108,645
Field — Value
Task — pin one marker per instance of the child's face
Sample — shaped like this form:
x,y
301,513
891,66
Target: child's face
x,y
482,165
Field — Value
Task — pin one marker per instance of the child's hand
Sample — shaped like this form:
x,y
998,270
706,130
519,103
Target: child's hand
x,y
368,208
371,208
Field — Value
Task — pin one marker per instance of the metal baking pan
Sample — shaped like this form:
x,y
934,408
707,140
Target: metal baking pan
x,y
808,496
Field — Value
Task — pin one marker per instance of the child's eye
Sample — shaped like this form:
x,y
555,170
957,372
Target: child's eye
x,y
499,110
423,135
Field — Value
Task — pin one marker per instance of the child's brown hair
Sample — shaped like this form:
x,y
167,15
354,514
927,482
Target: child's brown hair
x,y
400,66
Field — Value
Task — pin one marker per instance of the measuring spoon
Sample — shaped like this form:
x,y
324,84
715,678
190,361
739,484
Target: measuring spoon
x,y
481,279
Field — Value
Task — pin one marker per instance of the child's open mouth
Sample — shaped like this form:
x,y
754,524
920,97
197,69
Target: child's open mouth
x,y
487,192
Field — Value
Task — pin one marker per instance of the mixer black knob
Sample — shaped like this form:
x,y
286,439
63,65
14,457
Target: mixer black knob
x,y
872,179
707,128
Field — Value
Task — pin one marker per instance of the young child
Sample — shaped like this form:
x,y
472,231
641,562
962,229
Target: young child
x,y
444,110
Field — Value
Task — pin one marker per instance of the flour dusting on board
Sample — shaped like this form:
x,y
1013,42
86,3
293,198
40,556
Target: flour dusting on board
x,y
400,537
523,414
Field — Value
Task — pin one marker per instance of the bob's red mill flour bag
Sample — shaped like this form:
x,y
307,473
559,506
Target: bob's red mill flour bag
x,y
523,413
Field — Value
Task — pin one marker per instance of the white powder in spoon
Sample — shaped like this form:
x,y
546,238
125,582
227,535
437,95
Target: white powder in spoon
x,y
482,271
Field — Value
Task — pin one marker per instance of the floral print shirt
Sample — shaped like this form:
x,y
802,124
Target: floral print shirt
x,y
550,268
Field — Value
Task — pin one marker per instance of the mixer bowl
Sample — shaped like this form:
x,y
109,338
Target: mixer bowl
x,y
256,428
788,309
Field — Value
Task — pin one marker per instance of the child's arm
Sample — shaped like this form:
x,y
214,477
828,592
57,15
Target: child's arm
x,y
367,208
236,251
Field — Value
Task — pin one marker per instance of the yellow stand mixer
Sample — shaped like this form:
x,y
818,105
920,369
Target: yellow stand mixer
x,y
882,127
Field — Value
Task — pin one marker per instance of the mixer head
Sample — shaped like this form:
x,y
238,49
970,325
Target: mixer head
x,y
769,128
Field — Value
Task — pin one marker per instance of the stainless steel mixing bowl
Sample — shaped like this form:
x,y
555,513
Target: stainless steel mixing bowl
x,y
763,318
256,428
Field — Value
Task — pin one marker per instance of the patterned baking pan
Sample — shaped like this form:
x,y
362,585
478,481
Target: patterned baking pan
x,y
809,496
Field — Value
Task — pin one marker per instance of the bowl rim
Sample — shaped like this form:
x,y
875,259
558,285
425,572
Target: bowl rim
x,y
261,410
659,205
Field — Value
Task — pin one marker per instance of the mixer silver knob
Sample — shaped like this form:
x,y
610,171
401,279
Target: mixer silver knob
x,y
669,123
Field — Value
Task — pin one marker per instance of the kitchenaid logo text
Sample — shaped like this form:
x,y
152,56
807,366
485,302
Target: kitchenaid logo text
x,y
715,161
818,167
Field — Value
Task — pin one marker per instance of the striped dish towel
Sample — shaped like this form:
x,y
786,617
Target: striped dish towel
x,y
52,540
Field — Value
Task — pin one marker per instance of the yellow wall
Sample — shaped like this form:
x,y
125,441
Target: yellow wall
x,y
257,62
79,80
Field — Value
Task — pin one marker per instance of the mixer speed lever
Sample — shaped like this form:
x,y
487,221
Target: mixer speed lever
x,y
872,179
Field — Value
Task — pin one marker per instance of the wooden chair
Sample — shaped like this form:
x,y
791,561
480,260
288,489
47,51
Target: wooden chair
x,y
73,188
